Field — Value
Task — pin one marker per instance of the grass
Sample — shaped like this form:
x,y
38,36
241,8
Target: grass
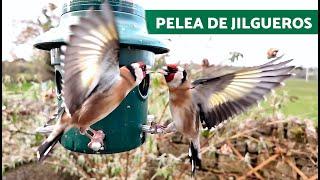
x,y
307,104
18,87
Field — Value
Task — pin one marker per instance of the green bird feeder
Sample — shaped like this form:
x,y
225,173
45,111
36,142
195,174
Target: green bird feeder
x,y
123,127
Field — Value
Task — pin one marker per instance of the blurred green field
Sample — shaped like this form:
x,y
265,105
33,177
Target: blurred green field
x,y
306,106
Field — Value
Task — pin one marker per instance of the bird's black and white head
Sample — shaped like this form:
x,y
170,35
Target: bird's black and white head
x,y
174,75
138,70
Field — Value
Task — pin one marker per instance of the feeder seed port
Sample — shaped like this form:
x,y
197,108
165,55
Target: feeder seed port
x,y
47,129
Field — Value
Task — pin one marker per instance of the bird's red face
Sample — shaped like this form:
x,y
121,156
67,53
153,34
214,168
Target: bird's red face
x,y
169,71
174,74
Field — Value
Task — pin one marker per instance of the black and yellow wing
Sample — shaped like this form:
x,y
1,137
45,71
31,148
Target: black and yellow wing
x,y
223,96
91,57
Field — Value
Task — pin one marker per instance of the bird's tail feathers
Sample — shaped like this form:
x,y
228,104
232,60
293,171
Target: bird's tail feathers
x,y
57,131
194,155
45,148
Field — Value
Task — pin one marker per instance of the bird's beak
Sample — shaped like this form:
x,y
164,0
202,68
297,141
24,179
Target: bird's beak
x,y
148,69
161,71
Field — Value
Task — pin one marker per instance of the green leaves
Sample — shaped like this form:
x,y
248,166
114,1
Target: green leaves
x,y
38,139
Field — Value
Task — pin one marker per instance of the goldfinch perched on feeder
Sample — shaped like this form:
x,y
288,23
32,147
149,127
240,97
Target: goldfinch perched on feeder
x,y
93,83
213,100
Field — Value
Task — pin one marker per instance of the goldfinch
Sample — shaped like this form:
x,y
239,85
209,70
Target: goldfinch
x,y
93,83
211,101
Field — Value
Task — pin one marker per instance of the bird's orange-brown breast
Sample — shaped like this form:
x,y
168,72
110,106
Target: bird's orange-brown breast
x,y
101,104
127,77
182,110
180,95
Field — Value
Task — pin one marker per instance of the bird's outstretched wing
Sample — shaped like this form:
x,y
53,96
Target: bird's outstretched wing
x,y
91,57
225,95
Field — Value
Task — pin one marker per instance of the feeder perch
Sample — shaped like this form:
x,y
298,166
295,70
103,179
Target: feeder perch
x,y
124,126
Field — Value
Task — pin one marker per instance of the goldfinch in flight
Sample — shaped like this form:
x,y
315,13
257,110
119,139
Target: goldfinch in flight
x,y
93,83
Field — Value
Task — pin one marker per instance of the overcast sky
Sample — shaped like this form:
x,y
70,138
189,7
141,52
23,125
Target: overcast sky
x,y
303,48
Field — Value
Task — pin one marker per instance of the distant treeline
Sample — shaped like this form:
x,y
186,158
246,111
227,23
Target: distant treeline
x,y
303,73
22,70
37,70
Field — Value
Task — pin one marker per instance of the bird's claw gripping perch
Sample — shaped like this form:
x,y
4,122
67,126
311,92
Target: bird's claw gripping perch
x,y
158,129
154,128
96,140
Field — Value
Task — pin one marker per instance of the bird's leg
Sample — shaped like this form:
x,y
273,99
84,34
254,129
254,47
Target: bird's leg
x,y
160,129
87,134
96,139
170,128
96,134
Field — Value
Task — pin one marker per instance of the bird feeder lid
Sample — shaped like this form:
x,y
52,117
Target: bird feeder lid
x,y
130,22
117,5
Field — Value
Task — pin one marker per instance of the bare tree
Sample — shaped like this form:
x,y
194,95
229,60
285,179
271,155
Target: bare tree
x,y
33,28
